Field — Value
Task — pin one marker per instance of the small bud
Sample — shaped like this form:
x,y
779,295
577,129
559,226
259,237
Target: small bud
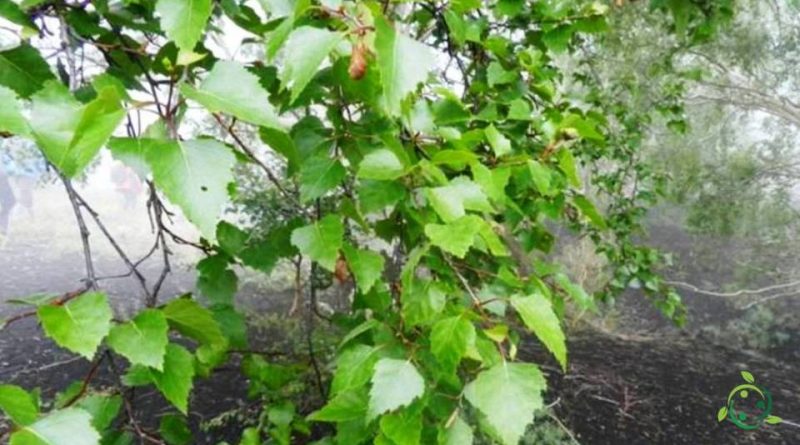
x,y
358,61
340,272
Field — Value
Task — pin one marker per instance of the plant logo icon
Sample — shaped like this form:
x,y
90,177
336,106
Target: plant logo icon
x,y
749,406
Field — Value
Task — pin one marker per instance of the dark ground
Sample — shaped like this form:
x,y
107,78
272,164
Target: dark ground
x,y
650,384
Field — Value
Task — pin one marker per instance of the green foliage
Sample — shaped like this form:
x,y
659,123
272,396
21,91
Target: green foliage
x,y
395,383
18,404
71,134
79,325
229,88
537,313
64,427
184,21
507,394
373,146
24,70
142,340
321,240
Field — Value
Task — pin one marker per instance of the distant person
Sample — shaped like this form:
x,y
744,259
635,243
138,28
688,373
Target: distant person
x,y
126,182
20,171
7,203
27,175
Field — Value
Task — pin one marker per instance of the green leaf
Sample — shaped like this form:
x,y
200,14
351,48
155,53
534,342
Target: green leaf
x,y
402,62
354,367
184,20
229,88
175,382
11,118
459,433
382,164
142,340
499,143
395,383
456,237
344,406
24,70
264,254
193,174
175,431
450,339
541,177
586,128
492,182
491,239
277,8
71,134
497,75
19,405
318,175
104,409
374,196
457,27
78,325
233,325
403,427
232,240
575,291
773,420
422,301
194,321
250,436
131,152
537,313
306,49
363,327
321,240
590,211
71,426
567,164
519,110
507,394
456,159
278,36
12,12
451,201
215,280
748,377
366,265
558,38
282,143
722,414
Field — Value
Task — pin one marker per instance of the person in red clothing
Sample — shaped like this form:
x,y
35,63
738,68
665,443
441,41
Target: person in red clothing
x,y
127,183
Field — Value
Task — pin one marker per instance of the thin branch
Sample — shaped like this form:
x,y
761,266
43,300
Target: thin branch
x,y
57,302
131,266
475,300
273,178
738,293
158,211
769,298
91,276
143,435
86,381
563,427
